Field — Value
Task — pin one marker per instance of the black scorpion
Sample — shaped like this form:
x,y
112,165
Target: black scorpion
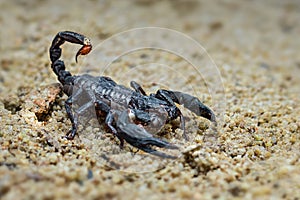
x,y
126,111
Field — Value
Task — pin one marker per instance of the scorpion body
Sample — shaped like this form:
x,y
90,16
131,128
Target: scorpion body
x,y
127,111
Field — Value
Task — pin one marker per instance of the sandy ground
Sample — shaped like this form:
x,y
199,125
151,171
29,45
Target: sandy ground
x,y
253,155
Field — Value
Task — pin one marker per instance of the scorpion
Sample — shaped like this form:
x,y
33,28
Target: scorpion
x,y
126,111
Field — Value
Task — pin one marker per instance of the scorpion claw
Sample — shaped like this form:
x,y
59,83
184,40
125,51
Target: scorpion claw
x,y
140,138
157,153
192,103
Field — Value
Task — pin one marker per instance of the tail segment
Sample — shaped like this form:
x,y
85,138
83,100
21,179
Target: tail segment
x,y
58,66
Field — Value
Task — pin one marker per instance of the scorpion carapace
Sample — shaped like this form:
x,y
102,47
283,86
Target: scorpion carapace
x,y
134,109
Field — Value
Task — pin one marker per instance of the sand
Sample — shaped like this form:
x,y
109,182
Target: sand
x,y
252,84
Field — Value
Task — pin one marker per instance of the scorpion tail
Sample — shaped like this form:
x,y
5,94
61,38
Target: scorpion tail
x,y
55,51
140,138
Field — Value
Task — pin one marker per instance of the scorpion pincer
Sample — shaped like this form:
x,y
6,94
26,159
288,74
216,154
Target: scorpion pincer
x,y
134,109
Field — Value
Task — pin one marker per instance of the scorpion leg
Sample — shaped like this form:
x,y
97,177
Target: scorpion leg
x,y
72,117
140,138
190,102
109,119
138,88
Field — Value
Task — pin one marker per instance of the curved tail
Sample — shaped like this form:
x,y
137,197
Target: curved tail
x,y
57,65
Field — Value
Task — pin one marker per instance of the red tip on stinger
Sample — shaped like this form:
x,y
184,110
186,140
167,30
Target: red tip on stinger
x,y
84,50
